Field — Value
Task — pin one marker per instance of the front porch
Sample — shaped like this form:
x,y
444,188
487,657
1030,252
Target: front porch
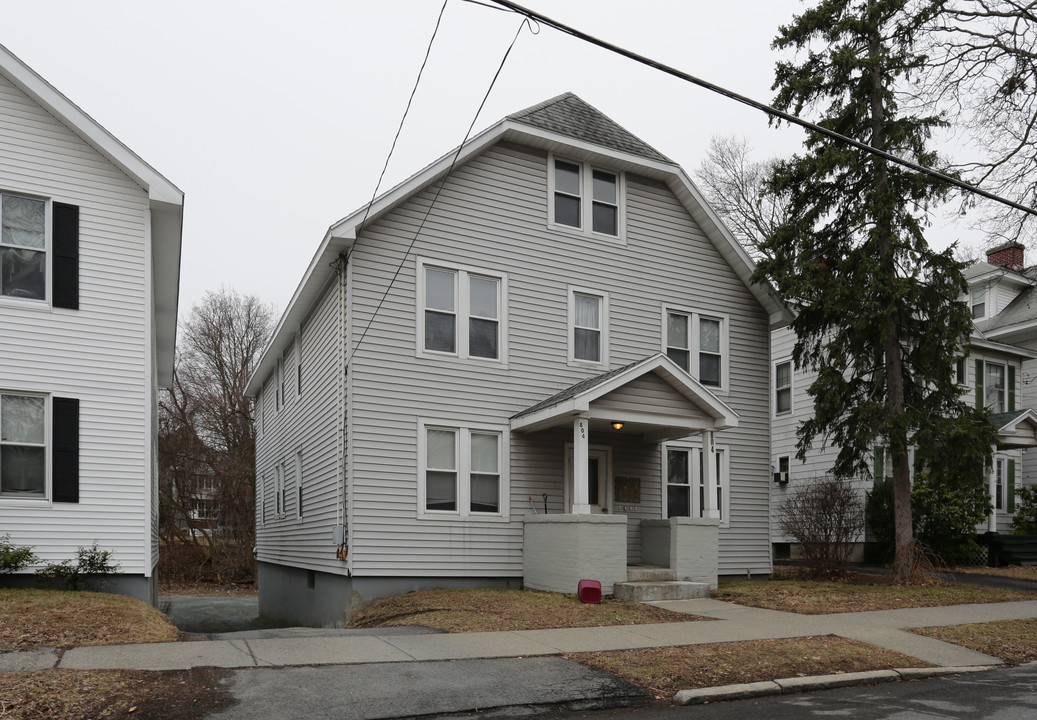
x,y
663,510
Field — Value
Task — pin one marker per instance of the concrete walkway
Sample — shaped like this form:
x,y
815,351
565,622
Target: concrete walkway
x,y
732,622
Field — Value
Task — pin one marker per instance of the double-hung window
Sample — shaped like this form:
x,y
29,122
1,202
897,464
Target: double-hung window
x,y
783,387
686,481
698,344
461,471
588,327
462,312
586,198
23,247
994,387
979,302
23,446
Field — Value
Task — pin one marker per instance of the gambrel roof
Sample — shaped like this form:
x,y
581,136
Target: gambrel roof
x,y
565,125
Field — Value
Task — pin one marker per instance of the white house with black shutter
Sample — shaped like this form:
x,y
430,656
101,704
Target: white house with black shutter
x,y
89,271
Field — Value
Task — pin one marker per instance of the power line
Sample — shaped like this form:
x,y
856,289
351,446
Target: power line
x,y
528,22
772,111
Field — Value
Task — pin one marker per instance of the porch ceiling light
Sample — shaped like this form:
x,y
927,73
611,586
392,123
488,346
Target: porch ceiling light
x,y
617,425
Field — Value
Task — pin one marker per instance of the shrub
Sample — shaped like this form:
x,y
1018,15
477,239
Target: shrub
x,y
1025,520
91,563
825,516
14,557
946,514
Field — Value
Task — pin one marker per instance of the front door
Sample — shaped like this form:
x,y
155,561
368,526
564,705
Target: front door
x,y
599,478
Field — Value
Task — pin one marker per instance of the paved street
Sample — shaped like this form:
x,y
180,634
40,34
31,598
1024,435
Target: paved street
x,y
1003,694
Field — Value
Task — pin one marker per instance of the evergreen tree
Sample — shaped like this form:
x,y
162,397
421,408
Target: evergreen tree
x,y
878,313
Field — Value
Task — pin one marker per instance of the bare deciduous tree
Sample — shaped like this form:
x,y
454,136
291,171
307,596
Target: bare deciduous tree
x,y
207,438
735,186
982,68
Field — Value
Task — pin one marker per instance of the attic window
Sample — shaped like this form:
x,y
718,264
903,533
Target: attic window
x,y
979,303
586,198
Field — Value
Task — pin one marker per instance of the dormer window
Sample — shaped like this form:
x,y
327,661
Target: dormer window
x,y
979,302
586,198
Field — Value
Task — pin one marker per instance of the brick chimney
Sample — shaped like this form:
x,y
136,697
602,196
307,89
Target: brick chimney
x,y
1009,255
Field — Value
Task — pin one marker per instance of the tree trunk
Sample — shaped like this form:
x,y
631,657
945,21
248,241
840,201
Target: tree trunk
x,y
883,204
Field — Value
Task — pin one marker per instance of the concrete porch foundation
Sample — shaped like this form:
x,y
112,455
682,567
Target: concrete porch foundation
x,y
560,550
686,545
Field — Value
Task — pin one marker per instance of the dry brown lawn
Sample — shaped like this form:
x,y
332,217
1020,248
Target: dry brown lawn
x,y
493,610
1014,641
201,589
63,619
94,694
862,592
664,671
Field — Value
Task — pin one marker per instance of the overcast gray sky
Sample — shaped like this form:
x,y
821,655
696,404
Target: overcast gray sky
x,y
275,118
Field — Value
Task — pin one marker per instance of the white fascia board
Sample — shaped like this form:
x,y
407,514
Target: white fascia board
x,y
549,416
1003,348
1001,274
1027,414
160,190
1026,327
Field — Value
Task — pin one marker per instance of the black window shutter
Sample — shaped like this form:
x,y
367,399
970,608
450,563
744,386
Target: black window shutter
x,y
65,450
65,266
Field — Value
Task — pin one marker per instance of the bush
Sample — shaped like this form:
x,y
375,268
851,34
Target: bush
x,y
91,563
945,516
825,516
14,557
1025,520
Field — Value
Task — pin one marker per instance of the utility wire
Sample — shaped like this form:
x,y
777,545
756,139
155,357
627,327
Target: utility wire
x,y
406,111
528,22
772,111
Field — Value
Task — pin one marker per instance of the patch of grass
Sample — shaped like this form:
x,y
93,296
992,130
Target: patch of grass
x,y
59,618
860,593
1014,641
493,610
93,694
1018,572
664,671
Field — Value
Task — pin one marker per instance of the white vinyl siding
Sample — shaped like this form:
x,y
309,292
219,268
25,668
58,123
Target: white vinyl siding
x,y
99,354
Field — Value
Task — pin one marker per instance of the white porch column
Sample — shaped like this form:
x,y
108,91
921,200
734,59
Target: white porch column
x,y
992,485
581,480
709,466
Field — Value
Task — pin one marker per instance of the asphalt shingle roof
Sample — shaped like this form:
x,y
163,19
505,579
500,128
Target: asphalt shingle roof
x,y
574,390
1001,419
568,115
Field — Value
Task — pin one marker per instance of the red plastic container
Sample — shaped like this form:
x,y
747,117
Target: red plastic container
x,y
589,591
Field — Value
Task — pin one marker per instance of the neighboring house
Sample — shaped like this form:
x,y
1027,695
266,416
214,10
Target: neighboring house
x,y
506,372
997,374
89,269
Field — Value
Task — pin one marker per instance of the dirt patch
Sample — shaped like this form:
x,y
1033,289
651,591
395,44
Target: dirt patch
x,y
856,594
495,610
664,671
58,618
114,694
1013,641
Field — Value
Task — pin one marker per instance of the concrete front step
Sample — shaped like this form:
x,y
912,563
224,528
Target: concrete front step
x,y
649,573
652,591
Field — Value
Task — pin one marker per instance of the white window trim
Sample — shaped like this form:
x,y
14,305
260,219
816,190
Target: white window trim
x,y
48,248
964,360
693,342
279,489
298,364
278,373
464,432
791,387
610,478
261,499
48,494
724,479
462,312
298,484
788,465
999,501
985,290
587,201
604,330
1005,390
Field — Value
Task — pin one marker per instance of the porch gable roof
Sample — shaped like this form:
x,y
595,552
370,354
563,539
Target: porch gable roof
x,y
1016,429
577,399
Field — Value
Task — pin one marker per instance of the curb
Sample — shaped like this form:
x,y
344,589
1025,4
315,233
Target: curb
x,y
787,686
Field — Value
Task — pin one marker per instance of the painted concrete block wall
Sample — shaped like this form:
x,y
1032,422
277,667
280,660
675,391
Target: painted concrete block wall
x,y
597,551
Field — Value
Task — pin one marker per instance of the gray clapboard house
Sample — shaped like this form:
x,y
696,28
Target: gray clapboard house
x,y
89,275
571,331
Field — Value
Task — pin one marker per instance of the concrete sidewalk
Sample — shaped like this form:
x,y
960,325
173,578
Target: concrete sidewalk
x,y
731,623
